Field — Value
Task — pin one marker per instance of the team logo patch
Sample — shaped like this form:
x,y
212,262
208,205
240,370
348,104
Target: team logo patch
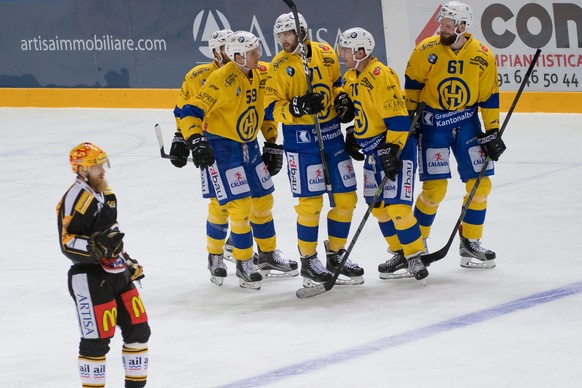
x,y
315,178
264,176
437,161
406,190
290,70
376,71
370,185
428,118
294,173
346,170
432,58
216,182
303,136
237,180
477,157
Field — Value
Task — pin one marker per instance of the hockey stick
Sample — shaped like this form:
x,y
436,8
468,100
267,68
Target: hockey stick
x,y
163,153
325,168
328,285
441,253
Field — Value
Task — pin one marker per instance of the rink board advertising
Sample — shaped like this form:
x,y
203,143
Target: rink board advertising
x,y
137,44
513,30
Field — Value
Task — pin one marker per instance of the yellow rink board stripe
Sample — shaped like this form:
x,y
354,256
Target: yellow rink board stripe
x,y
546,102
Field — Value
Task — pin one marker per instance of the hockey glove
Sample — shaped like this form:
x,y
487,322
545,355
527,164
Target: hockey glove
x,y
344,107
107,244
391,165
273,157
201,151
135,268
352,146
307,104
179,151
491,144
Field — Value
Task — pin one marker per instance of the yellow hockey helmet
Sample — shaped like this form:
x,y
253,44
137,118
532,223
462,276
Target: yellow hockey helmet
x,y
87,155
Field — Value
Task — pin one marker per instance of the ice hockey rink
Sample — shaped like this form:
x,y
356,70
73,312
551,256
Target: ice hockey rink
x,y
517,325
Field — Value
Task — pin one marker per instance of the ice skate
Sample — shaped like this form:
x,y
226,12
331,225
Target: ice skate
x,y
313,272
416,267
228,247
353,272
217,269
248,275
395,268
473,255
273,264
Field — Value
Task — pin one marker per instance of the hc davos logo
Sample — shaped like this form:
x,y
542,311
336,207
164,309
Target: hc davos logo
x,y
453,93
205,23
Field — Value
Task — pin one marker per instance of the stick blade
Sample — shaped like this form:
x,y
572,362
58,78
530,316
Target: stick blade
x,y
434,256
308,292
158,130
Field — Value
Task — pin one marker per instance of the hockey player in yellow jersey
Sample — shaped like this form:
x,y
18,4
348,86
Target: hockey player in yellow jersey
x,y
289,102
220,125
455,75
379,133
270,261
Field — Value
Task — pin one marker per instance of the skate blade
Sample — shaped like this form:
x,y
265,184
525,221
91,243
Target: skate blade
x,y
217,280
227,255
274,274
396,275
350,281
250,285
473,263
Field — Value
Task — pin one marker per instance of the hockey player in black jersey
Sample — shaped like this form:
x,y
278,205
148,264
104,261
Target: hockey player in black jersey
x,y
101,278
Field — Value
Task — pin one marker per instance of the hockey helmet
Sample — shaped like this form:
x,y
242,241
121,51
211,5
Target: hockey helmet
x,y
218,39
355,39
457,11
241,42
286,22
87,155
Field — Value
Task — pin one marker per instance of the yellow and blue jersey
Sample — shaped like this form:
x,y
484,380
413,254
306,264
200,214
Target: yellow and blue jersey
x,y
287,80
193,81
229,105
381,114
454,81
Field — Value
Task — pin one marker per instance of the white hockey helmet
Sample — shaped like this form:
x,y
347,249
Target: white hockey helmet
x,y
457,11
355,39
286,22
241,42
218,39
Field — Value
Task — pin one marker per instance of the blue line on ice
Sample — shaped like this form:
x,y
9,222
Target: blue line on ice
x,y
407,337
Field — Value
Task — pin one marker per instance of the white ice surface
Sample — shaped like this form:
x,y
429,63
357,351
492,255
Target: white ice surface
x,y
515,326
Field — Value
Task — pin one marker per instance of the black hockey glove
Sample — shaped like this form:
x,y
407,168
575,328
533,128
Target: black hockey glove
x,y
273,157
352,146
492,144
201,151
179,151
391,164
135,268
307,104
344,107
106,244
